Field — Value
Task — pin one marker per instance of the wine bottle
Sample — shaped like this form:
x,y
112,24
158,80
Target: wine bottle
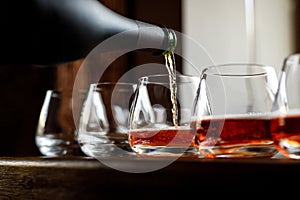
x,y
47,32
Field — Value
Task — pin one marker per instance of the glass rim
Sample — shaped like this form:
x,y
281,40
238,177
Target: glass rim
x,y
155,78
246,70
112,83
294,55
59,91
107,84
291,59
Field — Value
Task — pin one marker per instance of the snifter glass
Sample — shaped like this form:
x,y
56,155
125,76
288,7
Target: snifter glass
x,y
103,124
160,119
232,111
285,125
55,134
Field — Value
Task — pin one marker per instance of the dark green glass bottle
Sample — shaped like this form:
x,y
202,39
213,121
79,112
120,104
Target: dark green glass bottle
x,y
54,31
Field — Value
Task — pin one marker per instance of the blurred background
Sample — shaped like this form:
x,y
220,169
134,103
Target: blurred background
x,y
237,31
231,31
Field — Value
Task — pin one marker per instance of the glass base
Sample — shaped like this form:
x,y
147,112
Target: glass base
x,y
239,151
96,144
106,150
54,145
165,151
290,147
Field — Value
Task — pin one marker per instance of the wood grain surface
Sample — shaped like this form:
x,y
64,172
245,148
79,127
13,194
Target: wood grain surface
x,y
88,178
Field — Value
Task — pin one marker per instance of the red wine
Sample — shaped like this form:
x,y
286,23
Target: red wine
x,y
161,137
285,132
234,137
163,142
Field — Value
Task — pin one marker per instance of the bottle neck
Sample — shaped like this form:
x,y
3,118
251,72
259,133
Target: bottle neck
x,y
156,37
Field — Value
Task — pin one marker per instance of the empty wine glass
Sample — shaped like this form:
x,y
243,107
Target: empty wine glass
x,y
55,134
103,124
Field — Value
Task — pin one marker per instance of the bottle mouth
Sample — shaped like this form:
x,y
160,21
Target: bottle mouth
x,y
172,40
169,43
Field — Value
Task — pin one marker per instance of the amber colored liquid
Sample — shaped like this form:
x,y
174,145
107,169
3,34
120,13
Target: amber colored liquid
x,y
230,135
171,67
285,131
167,137
171,142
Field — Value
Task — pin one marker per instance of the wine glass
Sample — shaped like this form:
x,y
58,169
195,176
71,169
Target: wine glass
x,y
103,124
160,116
285,123
232,111
55,134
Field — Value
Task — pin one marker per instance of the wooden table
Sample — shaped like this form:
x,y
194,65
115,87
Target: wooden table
x,y
87,178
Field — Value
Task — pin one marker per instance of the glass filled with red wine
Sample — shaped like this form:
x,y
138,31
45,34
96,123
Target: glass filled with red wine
x,y
232,111
160,116
285,125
